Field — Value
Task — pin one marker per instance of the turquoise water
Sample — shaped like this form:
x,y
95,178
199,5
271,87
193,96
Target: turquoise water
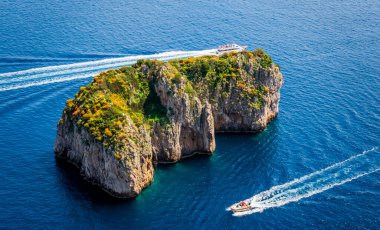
x,y
329,111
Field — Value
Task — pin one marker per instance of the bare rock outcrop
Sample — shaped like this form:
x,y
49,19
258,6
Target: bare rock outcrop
x,y
128,119
191,128
121,175
235,112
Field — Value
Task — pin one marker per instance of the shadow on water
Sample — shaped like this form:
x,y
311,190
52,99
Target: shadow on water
x,y
237,155
79,188
195,159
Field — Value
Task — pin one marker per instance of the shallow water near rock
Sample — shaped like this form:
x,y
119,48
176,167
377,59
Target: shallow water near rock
x,y
329,111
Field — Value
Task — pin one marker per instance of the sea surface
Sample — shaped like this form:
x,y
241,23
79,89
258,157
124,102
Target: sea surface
x,y
329,53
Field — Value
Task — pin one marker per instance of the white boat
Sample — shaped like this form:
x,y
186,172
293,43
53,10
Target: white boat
x,y
241,207
230,47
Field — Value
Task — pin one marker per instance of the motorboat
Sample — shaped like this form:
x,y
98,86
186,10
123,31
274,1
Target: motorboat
x,y
230,47
241,207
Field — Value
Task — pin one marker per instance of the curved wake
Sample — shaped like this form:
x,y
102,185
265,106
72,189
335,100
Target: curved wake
x,y
62,73
337,174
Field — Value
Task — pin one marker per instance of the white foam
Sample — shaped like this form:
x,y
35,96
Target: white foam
x,y
55,74
111,60
63,72
45,82
337,174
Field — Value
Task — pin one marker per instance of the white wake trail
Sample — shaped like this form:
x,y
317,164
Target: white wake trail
x,y
109,60
337,174
48,81
63,72
54,74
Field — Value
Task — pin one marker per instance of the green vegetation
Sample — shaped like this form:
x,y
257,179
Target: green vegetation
x,y
266,60
154,111
103,106
215,75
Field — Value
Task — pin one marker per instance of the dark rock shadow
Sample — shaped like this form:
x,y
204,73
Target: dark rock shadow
x,y
79,188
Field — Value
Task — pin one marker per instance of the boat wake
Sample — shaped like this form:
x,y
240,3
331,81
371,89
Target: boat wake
x,y
337,174
63,73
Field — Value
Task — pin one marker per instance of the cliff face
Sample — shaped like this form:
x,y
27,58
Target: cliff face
x,y
191,127
121,175
236,112
127,119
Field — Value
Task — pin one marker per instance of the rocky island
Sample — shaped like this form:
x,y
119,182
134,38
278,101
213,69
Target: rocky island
x,y
129,119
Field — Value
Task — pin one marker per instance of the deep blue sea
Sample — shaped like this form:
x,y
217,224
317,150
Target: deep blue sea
x,y
329,52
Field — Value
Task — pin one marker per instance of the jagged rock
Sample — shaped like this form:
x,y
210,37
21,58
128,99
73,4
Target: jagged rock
x,y
127,119
123,175
191,128
235,114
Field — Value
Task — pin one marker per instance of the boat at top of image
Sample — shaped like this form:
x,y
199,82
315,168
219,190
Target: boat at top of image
x,y
230,47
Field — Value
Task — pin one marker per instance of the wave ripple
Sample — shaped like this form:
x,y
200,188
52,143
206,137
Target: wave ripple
x,y
337,174
63,73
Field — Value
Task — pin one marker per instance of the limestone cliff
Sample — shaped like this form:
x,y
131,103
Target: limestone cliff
x,y
122,173
191,126
130,118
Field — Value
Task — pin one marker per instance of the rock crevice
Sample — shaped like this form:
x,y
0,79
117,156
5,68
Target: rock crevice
x,y
127,120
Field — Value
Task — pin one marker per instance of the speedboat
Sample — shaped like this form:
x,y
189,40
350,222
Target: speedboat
x,y
230,47
241,207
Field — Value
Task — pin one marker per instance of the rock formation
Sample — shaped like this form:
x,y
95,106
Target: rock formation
x,y
126,120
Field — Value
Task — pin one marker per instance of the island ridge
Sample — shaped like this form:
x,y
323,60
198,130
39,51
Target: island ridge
x,y
129,119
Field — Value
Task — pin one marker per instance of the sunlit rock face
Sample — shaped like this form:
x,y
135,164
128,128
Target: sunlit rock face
x,y
128,119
